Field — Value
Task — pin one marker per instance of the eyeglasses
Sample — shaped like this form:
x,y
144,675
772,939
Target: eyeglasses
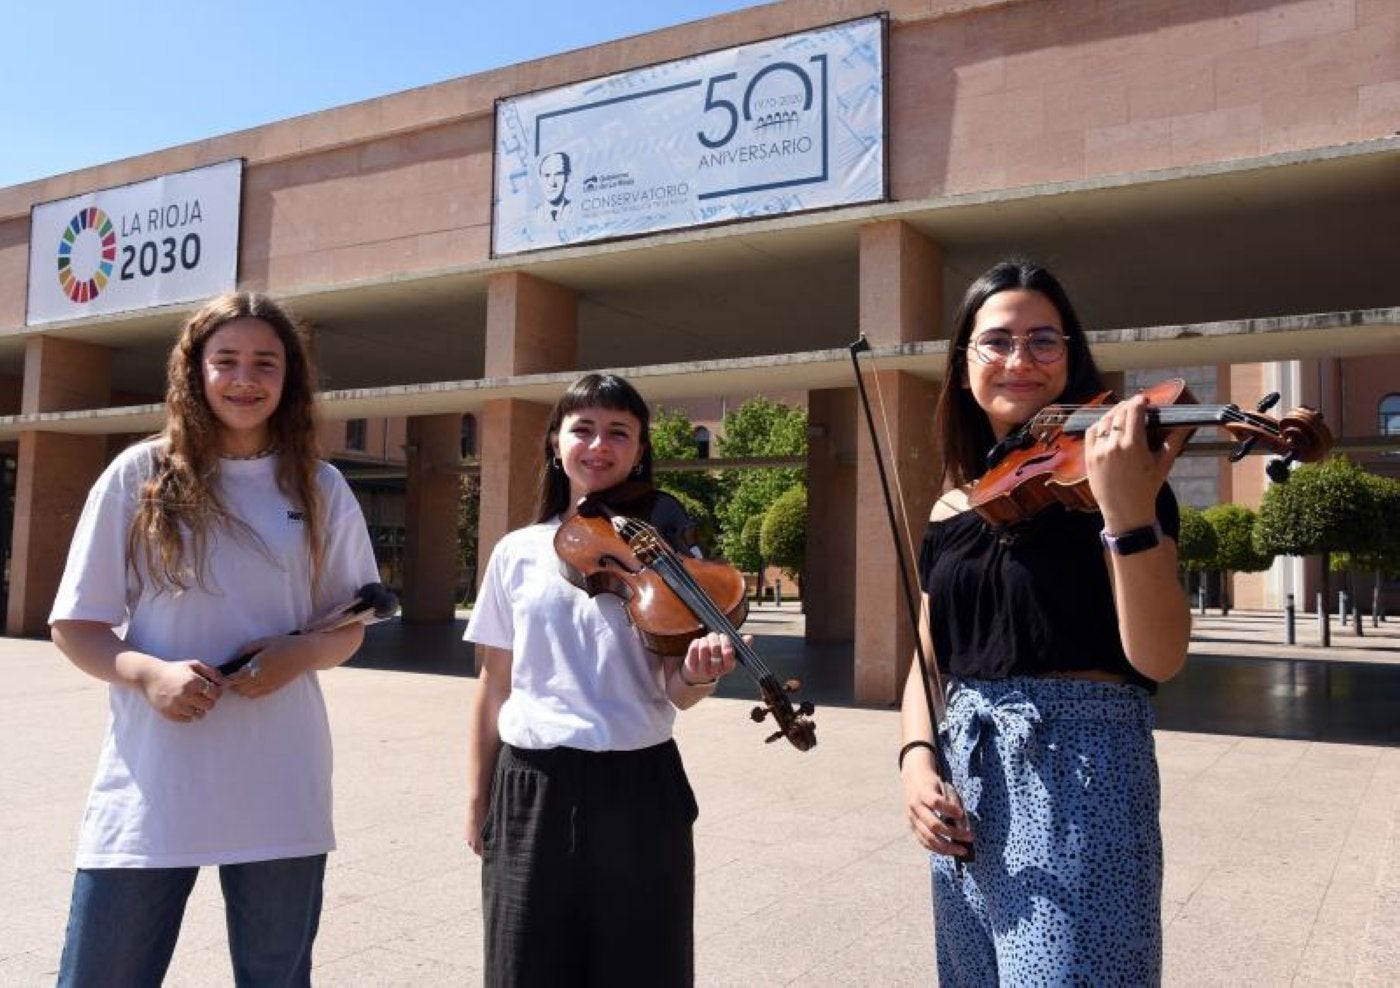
x,y
1044,346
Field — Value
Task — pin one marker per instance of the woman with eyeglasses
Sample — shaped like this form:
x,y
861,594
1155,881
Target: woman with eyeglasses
x,y
1053,632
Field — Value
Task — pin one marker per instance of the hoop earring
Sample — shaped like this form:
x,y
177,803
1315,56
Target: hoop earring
x,y
637,470
554,464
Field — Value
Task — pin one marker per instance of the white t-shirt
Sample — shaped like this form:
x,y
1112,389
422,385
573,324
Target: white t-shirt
x,y
580,676
251,781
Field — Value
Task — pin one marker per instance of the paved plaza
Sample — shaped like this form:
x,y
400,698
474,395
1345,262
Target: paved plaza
x,y
1283,854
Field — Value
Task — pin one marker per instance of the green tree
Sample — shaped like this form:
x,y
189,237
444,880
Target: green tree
x,y
745,552
672,435
757,428
1323,509
1233,525
1195,545
1381,554
468,519
673,438
783,535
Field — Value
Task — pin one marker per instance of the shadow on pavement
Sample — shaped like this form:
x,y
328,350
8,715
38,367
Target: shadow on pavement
x,y
432,648
1297,699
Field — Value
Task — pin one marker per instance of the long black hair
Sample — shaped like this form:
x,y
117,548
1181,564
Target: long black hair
x,y
590,391
962,429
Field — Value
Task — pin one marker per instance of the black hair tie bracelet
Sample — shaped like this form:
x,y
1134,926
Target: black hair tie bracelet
x,y
911,746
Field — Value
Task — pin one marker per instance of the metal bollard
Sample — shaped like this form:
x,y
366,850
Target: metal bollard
x,y
1290,614
1321,618
1342,608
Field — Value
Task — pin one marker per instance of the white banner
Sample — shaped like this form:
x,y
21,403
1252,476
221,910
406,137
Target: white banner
x,y
169,239
779,126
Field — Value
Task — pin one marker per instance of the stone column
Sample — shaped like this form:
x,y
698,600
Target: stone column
x,y
54,472
430,508
531,328
829,591
901,278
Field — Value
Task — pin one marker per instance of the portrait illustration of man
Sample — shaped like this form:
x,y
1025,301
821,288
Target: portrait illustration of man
x,y
555,169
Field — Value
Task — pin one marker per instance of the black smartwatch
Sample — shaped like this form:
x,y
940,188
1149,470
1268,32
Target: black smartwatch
x,y
1133,540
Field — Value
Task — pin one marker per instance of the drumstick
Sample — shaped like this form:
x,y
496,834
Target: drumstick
x,y
374,602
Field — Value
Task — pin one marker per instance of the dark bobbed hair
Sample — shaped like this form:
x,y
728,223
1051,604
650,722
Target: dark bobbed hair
x,y
590,391
963,432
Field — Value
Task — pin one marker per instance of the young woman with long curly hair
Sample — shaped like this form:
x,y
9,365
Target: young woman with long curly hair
x,y
212,540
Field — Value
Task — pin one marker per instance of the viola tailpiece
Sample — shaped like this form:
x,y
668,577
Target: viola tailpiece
x,y
672,600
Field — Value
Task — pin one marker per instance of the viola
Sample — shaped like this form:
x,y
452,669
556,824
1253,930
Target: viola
x,y
673,599
1042,463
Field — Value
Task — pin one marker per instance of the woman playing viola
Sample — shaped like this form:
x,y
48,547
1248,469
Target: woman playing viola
x,y
577,799
1054,632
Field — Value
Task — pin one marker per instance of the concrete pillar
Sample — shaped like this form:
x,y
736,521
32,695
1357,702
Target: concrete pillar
x,y
901,278
430,546
1245,482
531,328
829,592
53,473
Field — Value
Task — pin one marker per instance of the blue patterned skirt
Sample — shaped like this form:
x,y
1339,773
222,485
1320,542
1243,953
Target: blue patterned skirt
x,y
1060,780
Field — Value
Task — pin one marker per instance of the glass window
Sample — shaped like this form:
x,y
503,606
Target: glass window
x,y
468,436
355,431
1390,415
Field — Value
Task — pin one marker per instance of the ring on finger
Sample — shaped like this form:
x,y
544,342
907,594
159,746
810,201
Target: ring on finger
x,y
204,687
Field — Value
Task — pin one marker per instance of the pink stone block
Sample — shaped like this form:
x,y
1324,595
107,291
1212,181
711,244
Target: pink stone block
x,y
1039,159
1309,18
1085,104
1378,110
1167,87
1311,121
1255,76
1363,57
1141,145
1220,135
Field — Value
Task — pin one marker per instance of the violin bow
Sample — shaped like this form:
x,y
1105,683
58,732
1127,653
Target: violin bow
x,y
934,695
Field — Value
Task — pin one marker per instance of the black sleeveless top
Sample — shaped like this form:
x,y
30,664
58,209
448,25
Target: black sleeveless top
x,y
1027,599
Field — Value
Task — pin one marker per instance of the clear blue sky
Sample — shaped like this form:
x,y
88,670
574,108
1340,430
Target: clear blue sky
x,y
82,83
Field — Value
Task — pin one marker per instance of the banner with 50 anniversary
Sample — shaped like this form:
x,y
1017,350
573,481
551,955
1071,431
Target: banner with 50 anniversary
x,y
780,126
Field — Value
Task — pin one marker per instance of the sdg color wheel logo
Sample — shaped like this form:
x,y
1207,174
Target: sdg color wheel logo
x,y
86,253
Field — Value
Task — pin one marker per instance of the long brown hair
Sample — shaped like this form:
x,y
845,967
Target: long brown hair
x,y
182,491
963,432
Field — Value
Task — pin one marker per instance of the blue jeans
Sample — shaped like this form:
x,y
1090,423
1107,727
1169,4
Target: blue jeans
x,y
123,922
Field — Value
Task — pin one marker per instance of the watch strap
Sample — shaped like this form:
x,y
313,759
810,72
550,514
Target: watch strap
x,y
1132,541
